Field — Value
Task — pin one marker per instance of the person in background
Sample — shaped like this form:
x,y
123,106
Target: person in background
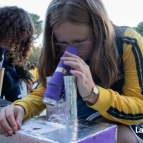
x,y
34,72
27,64
30,83
16,38
109,62
27,85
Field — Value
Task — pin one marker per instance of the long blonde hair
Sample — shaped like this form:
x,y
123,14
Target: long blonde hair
x,y
104,61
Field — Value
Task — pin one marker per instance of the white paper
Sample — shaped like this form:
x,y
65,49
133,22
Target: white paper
x,y
38,128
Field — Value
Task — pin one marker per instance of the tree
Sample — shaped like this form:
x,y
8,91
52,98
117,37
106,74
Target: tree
x,y
37,24
35,54
139,28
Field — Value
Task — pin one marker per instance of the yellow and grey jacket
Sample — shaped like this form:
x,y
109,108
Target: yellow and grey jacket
x,y
123,102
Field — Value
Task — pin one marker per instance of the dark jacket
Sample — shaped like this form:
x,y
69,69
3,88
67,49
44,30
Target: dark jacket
x,y
11,78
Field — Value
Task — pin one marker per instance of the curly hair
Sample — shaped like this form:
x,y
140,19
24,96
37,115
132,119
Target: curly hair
x,y
16,31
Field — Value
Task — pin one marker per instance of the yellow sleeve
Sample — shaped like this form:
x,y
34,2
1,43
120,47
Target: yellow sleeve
x,y
128,107
32,103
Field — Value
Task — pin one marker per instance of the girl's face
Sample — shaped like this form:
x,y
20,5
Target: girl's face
x,y
79,36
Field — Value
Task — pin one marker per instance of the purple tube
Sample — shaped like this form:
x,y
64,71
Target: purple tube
x,y
56,85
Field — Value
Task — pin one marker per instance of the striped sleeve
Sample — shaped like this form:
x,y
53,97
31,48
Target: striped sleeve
x,y
126,108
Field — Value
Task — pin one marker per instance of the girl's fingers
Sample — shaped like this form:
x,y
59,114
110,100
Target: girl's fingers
x,y
76,63
5,126
25,81
74,56
70,54
76,66
81,83
79,75
2,130
9,113
72,59
32,80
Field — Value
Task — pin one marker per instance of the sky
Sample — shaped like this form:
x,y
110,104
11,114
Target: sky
x,y
120,12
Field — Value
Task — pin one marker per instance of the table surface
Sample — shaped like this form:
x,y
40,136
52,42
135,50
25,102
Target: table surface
x,y
82,131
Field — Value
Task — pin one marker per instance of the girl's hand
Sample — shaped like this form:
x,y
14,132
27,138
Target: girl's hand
x,y
81,71
11,118
29,84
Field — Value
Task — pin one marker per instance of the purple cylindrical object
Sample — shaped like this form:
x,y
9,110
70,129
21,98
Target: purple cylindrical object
x,y
55,86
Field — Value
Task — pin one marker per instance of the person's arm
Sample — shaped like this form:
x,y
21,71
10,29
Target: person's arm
x,y
32,103
128,107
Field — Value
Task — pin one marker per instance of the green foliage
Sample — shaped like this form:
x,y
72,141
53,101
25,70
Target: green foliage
x,y
35,54
139,28
37,24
